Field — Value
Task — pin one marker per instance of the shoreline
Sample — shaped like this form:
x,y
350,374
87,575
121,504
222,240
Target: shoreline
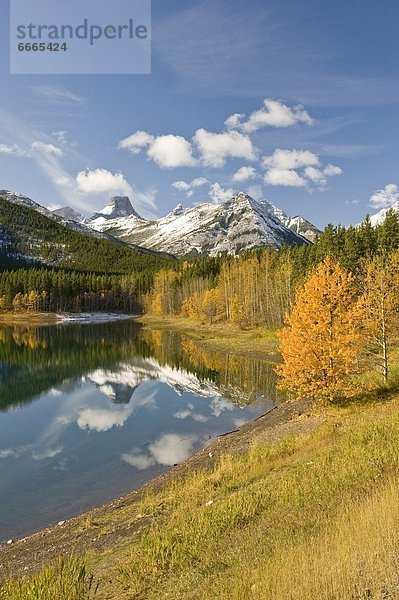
x,y
75,535
43,318
259,343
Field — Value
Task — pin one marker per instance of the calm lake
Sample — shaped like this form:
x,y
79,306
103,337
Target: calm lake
x,y
89,412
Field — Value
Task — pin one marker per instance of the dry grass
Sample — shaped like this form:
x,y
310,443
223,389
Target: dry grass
x,y
219,336
28,318
309,517
64,580
281,505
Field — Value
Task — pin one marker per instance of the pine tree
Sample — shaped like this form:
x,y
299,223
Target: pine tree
x,y
321,339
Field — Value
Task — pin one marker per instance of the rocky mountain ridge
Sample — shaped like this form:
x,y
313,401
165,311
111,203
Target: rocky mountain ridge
x,y
239,224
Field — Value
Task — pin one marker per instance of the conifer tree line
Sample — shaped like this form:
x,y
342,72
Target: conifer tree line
x,y
259,287
53,290
45,266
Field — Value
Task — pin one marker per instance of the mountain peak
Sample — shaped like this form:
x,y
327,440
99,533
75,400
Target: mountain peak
x,y
66,212
117,207
240,223
177,210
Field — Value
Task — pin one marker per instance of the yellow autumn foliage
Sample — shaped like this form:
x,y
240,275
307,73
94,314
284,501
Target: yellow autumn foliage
x,y
321,340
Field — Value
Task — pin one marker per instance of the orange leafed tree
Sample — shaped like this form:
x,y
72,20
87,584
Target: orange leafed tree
x,y
321,341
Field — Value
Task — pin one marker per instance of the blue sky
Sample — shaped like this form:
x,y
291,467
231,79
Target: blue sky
x,y
309,90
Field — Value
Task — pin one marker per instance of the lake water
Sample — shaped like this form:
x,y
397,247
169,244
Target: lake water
x,y
89,412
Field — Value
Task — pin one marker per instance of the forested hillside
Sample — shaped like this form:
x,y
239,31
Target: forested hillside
x,y
259,287
29,237
45,266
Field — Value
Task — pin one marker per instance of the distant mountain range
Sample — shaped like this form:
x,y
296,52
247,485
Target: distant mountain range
x,y
31,235
239,224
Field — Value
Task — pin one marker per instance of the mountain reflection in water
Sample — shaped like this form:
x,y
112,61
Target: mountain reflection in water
x,y
88,412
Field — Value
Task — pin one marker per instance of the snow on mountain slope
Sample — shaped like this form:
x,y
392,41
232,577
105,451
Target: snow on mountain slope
x,y
379,217
241,223
58,216
297,223
16,198
117,207
69,214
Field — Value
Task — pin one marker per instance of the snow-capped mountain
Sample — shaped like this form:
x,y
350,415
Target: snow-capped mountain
x,y
298,224
241,223
69,214
117,208
379,217
20,199
61,216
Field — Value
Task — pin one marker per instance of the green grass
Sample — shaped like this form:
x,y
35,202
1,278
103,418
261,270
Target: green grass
x,y
219,336
63,580
309,516
273,500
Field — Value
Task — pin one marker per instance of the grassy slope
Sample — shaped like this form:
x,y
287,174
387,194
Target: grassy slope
x,y
310,511
303,517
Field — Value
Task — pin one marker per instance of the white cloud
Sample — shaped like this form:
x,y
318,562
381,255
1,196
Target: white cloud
x,y
198,182
331,170
218,195
100,181
171,448
319,176
47,453
62,137
57,95
244,173
214,148
285,177
291,159
11,452
136,142
183,186
44,148
138,459
315,175
297,168
37,454
168,449
234,121
385,197
272,114
171,151
167,151
14,149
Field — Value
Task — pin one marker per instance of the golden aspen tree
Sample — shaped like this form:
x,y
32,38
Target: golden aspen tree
x,y
209,304
379,307
321,340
